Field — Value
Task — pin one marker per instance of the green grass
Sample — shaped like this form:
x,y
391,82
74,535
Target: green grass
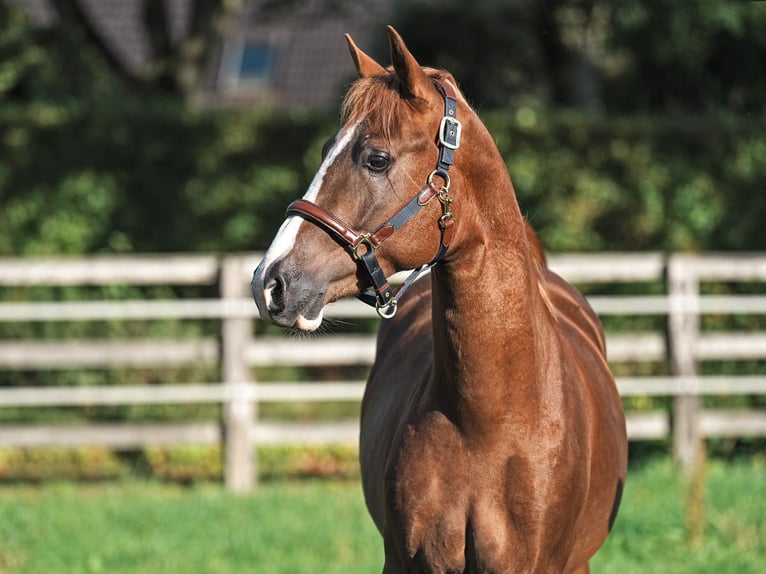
x,y
322,526
151,527
668,525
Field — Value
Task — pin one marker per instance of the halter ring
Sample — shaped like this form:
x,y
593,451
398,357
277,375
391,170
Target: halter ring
x,y
381,309
364,239
442,174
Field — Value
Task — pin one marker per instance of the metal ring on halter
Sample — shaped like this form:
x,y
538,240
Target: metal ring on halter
x,y
364,239
381,309
442,174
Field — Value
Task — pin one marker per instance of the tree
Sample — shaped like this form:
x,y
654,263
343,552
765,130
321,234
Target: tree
x,y
619,56
691,57
172,67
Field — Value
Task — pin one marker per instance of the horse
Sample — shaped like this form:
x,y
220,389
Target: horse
x,y
492,434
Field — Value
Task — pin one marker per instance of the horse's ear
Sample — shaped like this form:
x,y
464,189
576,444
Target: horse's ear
x,y
365,66
414,80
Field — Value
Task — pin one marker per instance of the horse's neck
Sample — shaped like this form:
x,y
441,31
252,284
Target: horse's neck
x,y
487,307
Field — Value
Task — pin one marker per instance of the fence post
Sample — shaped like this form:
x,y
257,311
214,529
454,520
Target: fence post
x,y
683,332
240,469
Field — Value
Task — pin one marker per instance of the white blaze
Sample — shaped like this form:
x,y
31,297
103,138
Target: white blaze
x,y
285,238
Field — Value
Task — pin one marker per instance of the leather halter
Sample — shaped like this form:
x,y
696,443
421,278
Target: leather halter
x,y
382,296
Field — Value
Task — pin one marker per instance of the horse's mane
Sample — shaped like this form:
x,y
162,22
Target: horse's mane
x,y
535,247
379,100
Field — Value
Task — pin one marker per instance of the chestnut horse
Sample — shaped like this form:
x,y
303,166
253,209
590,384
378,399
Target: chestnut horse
x,y
492,433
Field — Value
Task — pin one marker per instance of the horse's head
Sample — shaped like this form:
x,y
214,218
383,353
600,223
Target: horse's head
x,y
372,208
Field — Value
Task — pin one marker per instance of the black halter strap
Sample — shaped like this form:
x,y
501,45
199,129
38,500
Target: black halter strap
x,y
382,296
449,130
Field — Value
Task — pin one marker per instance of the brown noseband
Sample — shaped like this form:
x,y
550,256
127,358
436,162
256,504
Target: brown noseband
x,y
382,296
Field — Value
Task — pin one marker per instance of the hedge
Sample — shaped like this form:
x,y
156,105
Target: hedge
x,y
157,177
184,464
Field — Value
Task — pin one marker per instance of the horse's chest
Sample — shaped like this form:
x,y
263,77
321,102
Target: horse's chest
x,y
445,499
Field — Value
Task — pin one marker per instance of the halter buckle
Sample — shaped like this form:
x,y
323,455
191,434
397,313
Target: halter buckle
x,y
366,239
450,131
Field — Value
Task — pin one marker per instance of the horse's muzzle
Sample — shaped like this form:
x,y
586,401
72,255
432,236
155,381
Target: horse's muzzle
x,y
284,297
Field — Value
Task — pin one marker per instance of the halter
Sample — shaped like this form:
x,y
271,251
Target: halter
x,y
382,296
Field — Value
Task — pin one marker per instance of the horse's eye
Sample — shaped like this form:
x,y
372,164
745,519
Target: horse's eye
x,y
378,162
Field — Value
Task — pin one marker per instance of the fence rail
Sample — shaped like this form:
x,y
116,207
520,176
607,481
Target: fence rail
x,y
682,346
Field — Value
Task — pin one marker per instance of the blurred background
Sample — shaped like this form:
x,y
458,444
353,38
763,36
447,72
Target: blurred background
x,y
188,125
132,131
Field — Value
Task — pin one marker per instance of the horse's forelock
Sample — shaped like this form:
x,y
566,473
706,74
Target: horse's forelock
x,y
379,100
376,100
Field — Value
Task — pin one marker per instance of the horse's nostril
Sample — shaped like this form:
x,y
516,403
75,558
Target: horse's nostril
x,y
277,292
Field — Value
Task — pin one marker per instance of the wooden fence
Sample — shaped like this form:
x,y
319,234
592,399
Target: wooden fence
x,y
681,345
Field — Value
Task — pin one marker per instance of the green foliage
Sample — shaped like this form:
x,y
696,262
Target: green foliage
x,y
181,464
698,55
619,56
185,464
641,183
19,58
59,463
89,166
289,462
49,64
156,178
150,176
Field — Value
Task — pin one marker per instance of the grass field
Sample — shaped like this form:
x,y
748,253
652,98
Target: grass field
x,y
322,526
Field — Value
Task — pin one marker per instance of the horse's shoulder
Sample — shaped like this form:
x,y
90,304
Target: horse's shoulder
x,y
571,308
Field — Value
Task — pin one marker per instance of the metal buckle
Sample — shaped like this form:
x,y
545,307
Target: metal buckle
x,y
456,129
366,239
